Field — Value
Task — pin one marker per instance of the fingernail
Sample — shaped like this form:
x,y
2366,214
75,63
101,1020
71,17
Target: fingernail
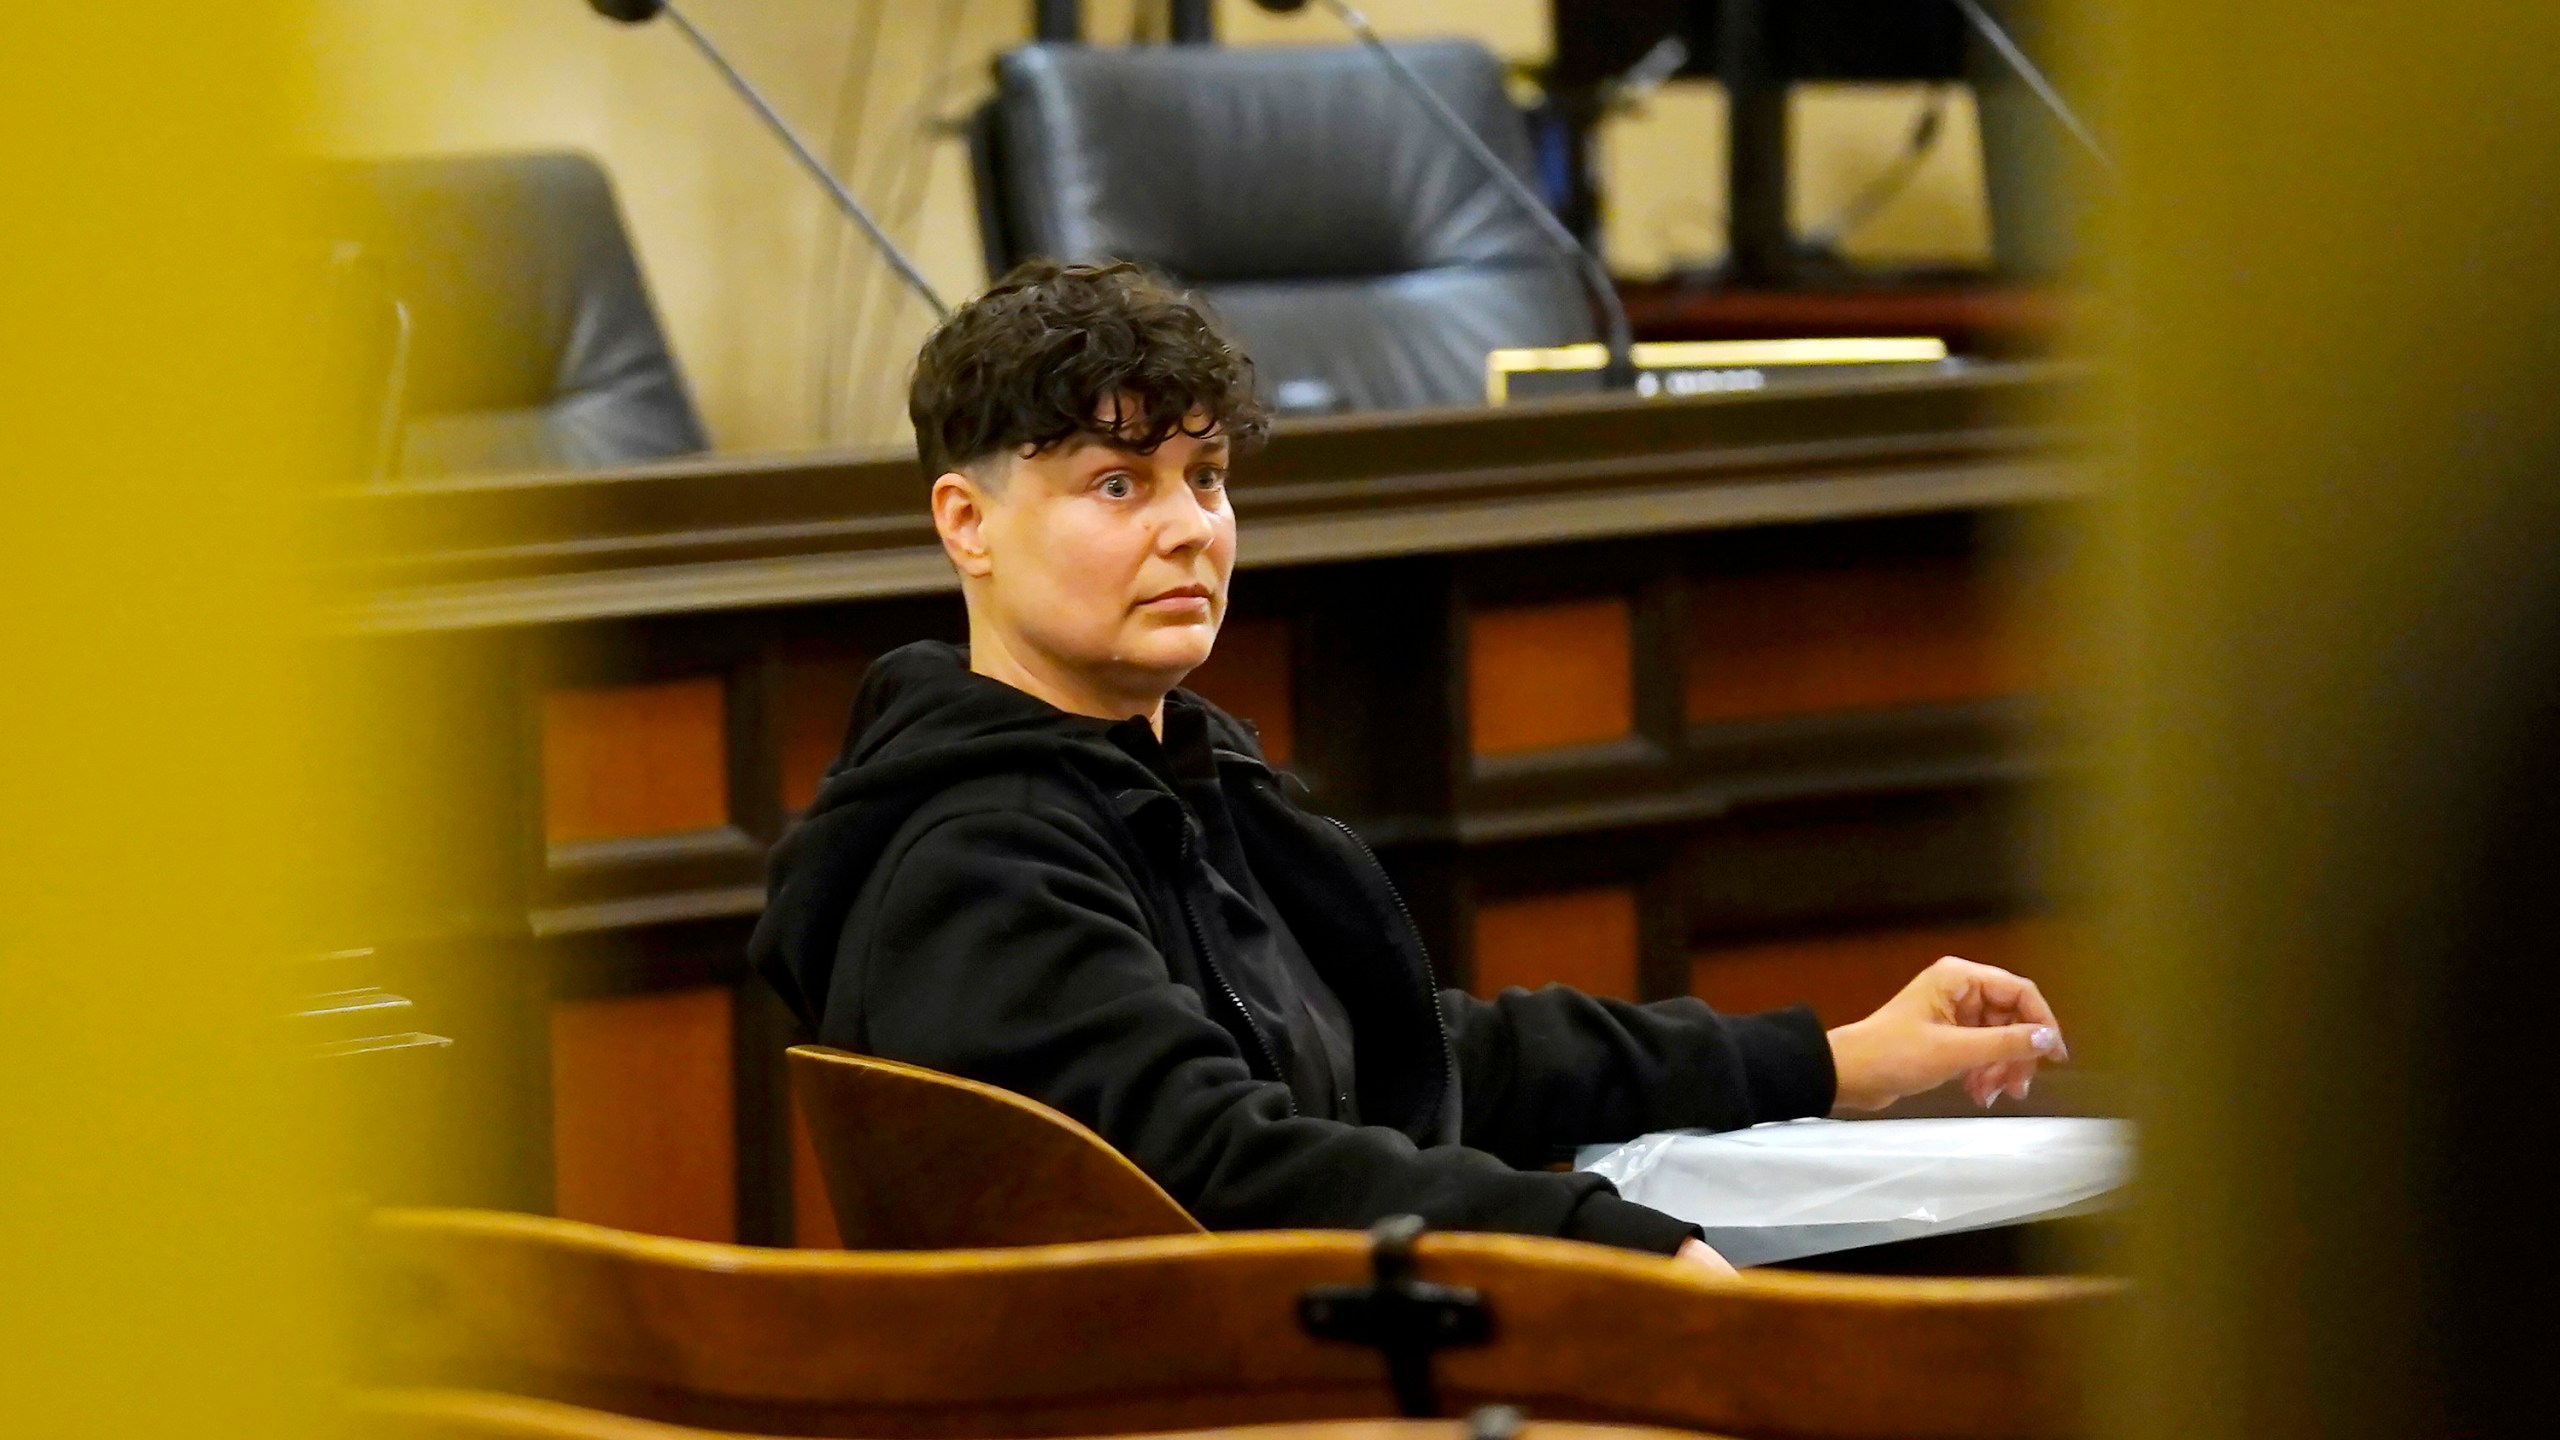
x,y
2046,1039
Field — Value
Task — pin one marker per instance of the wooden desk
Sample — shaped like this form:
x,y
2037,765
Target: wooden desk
x,y
1724,695
1976,318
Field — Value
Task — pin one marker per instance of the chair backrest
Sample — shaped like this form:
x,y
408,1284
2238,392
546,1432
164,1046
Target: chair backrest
x,y
531,341
918,1160
1360,254
482,1415
1199,1330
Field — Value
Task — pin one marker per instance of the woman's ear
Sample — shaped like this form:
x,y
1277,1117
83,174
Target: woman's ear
x,y
960,518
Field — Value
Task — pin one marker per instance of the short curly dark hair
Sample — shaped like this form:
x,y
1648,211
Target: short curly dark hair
x,y
1039,358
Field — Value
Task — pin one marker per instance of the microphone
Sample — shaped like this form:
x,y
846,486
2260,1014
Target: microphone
x,y
636,12
1620,372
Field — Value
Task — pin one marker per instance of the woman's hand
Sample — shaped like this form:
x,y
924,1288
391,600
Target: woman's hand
x,y
1698,1252
1954,1018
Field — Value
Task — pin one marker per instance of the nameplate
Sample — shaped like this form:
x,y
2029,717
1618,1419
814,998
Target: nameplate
x,y
1702,367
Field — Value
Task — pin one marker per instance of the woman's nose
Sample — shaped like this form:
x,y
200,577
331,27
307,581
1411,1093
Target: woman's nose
x,y
1183,522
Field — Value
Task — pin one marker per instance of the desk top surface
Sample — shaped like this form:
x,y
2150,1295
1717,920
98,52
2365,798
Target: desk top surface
x,y
739,532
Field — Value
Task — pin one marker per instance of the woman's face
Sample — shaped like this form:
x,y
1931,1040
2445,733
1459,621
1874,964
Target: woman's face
x,y
1104,565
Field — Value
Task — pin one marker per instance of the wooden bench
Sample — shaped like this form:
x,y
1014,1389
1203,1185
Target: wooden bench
x,y
482,1415
1185,1332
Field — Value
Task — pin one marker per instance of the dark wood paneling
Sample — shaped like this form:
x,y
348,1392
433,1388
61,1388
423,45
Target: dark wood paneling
x,y
1384,692
1587,939
1546,677
1900,630
1855,861
633,761
1971,318
761,1029
643,1113
1846,976
1253,675
813,700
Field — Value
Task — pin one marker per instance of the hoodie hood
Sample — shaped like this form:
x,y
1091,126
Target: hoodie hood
x,y
922,722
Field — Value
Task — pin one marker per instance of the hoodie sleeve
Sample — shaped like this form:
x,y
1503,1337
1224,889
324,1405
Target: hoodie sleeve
x,y
1009,947
1545,1071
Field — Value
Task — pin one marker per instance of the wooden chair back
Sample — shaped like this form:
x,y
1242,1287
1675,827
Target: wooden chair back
x,y
918,1160
1187,1332
482,1415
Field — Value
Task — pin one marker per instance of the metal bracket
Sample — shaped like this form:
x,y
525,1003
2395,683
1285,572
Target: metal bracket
x,y
1404,1319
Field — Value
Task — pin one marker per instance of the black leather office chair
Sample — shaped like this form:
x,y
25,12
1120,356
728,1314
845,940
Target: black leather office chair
x,y
1361,256
529,341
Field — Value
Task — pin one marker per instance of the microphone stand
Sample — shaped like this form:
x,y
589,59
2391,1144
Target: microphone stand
x,y
634,12
2026,69
1620,371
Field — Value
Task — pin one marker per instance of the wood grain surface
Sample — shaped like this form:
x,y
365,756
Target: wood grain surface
x,y
914,1159
430,1414
643,1131
1194,1331
634,760
1547,677
1583,938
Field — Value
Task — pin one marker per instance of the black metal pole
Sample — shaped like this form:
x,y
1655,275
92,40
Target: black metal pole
x,y
1194,22
1618,372
1061,21
810,162
1759,237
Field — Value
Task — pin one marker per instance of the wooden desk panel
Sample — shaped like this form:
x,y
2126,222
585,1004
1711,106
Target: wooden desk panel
x,y
635,760
813,695
1253,676
1548,677
1583,938
1924,630
1846,976
642,1114
1973,319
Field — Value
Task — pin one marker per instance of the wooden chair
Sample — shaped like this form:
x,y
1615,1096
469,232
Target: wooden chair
x,y
918,1160
481,1415
1186,1332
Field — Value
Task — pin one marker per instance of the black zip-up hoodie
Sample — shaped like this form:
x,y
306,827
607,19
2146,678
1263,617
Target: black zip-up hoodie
x,y
993,888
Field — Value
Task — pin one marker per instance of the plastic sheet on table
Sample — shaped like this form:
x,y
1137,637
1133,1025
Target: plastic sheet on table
x,y
1809,1187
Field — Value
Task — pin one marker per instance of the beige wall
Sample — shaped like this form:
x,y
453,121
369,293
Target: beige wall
x,y
788,329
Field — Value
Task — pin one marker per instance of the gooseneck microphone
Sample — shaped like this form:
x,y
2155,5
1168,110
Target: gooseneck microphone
x,y
1620,372
635,12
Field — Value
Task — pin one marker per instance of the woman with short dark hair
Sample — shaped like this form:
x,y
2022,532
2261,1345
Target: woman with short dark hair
x,y
1041,865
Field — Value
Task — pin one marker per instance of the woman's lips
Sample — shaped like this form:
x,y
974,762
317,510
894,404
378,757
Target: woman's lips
x,y
1180,598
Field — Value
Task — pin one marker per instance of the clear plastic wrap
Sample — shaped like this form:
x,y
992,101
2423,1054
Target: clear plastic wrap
x,y
1808,1187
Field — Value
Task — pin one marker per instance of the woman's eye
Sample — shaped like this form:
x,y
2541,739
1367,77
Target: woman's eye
x,y
1118,487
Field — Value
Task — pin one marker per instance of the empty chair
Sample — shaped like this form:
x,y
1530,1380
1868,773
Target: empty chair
x,y
918,1160
1194,1331
1362,256
530,341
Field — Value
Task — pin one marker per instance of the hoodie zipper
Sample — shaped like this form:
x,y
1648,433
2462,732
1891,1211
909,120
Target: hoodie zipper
x,y
1439,1022
1200,947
